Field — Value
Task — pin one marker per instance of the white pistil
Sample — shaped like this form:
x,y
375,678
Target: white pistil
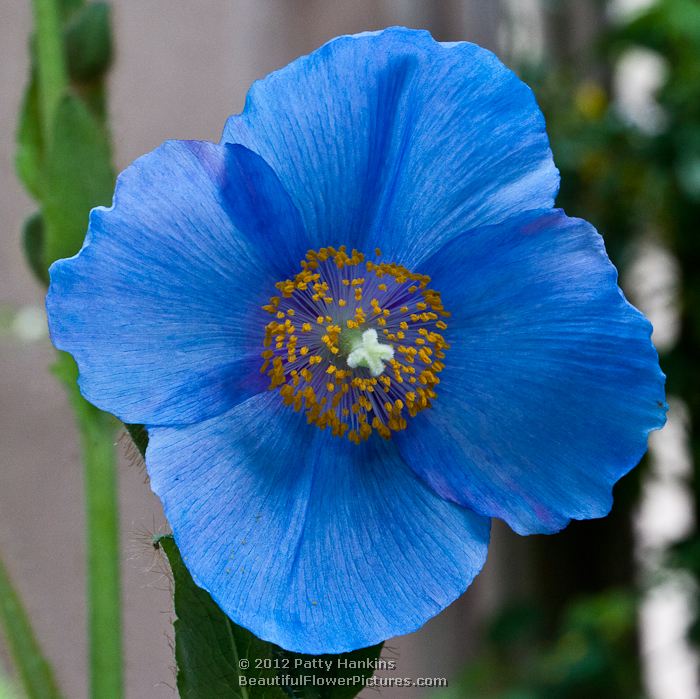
x,y
370,353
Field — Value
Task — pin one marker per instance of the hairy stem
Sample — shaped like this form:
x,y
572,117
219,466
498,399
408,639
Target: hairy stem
x,y
97,437
51,64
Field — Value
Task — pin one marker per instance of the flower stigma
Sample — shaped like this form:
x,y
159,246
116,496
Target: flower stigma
x,y
370,353
355,343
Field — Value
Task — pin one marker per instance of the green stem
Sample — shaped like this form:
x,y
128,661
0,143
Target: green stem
x,y
32,667
97,429
51,64
97,437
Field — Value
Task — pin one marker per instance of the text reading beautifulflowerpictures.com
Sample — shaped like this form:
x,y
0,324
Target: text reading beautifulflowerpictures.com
x,y
359,681
329,665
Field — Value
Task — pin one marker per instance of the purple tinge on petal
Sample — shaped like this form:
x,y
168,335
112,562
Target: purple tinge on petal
x,y
551,384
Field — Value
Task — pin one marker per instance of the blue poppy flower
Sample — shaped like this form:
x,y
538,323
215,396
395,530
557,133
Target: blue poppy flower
x,y
356,330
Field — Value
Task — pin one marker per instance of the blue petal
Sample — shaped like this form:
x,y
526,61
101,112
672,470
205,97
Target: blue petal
x,y
551,384
313,543
391,139
161,307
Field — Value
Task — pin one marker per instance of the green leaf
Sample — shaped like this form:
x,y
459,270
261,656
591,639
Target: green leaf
x,y
30,144
210,650
68,7
7,691
33,245
333,676
139,436
79,176
88,42
33,668
217,658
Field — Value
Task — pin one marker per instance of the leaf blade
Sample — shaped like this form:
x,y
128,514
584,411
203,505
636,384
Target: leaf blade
x,y
33,244
30,141
78,177
209,648
33,668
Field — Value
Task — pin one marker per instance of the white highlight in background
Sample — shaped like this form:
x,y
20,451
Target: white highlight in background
x,y
665,514
670,666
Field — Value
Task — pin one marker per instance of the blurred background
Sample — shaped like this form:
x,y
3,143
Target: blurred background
x,y
607,609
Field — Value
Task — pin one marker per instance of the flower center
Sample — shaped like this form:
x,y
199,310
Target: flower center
x,y
355,343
